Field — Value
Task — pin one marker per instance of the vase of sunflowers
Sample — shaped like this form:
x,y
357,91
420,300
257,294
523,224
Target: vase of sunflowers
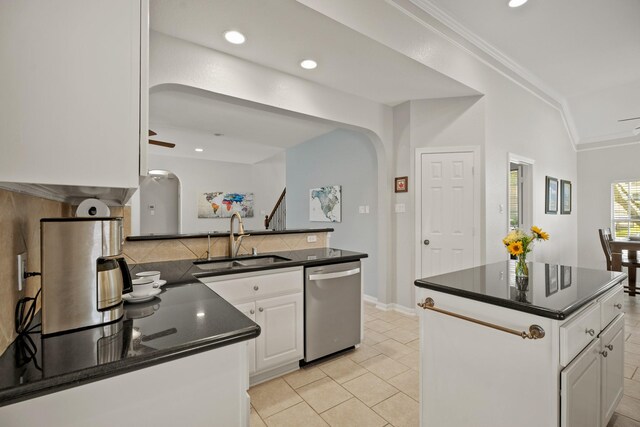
x,y
519,244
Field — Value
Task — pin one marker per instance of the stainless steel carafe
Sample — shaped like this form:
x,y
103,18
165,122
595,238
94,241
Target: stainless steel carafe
x,y
83,272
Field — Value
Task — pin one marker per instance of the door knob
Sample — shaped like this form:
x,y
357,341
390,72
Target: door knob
x,y
590,332
252,311
604,353
426,242
261,309
618,306
610,347
255,288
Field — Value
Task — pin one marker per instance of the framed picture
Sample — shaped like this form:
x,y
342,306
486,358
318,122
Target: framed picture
x,y
565,197
325,204
551,279
565,277
402,184
551,196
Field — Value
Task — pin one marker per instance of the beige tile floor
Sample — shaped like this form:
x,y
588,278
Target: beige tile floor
x,y
377,384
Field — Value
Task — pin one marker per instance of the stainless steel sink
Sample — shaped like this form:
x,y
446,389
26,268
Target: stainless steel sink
x,y
254,261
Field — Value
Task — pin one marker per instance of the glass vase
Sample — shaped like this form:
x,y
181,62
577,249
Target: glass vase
x,y
522,273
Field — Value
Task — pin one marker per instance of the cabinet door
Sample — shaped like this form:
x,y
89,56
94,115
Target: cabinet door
x,y
612,340
281,338
580,389
70,92
249,310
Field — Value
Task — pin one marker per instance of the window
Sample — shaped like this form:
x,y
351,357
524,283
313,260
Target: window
x,y
515,196
625,212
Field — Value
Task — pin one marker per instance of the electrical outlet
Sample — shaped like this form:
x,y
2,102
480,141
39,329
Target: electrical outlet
x,y
22,268
312,239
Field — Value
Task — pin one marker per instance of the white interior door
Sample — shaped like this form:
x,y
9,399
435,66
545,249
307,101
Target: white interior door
x,y
447,212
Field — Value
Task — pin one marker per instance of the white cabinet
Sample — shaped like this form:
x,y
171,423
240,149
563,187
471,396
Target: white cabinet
x,y
612,340
592,384
580,387
249,310
573,375
274,300
71,98
282,336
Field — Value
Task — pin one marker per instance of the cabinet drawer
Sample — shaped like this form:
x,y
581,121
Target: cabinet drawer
x,y
250,286
576,334
232,289
611,306
277,283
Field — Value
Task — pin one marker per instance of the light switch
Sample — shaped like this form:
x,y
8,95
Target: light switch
x,y
400,208
366,209
312,238
361,209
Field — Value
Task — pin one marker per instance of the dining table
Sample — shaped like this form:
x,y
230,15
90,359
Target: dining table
x,y
617,247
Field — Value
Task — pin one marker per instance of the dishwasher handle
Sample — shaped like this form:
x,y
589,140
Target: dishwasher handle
x,y
336,275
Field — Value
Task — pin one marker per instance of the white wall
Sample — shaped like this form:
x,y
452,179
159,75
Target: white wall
x,y
345,158
175,61
509,118
196,176
164,195
597,170
514,120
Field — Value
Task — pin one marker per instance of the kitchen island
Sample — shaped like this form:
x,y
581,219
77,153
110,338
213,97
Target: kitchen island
x,y
548,354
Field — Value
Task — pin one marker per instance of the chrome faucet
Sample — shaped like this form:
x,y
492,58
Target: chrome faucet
x,y
234,245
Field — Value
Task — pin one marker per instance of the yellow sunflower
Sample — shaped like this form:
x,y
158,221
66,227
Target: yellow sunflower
x,y
541,234
515,248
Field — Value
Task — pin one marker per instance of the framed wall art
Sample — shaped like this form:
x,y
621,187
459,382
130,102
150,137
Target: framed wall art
x,y
565,197
551,195
402,184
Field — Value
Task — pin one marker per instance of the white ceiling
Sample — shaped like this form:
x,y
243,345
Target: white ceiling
x,y
587,52
190,118
282,33
279,35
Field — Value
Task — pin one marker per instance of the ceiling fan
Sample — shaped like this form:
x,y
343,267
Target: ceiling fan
x,y
160,143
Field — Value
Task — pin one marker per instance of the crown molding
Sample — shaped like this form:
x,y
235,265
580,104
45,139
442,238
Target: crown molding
x,y
608,141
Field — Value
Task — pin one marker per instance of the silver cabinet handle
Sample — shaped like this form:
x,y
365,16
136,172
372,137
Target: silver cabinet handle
x,y
618,306
590,332
426,242
255,288
610,347
604,353
261,309
252,311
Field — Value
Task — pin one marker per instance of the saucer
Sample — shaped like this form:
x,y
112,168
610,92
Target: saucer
x,y
151,295
161,282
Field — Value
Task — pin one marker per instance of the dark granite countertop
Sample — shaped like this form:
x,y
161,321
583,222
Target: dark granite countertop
x,y
226,234
185,318
554,291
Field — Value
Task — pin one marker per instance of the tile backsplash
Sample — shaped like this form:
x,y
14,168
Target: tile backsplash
x,y
176,249
19,232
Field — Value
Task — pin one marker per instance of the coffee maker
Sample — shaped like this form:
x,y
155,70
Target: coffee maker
x,y
83,272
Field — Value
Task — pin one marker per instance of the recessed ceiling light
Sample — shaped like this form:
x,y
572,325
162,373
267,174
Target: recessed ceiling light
x,y
218,134
308,64
516,3
199,150
234,37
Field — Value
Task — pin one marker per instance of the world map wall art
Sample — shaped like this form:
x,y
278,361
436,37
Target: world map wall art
x,y
325,204
223,205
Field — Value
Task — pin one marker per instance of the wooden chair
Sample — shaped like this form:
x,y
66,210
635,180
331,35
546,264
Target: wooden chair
x,y
630,263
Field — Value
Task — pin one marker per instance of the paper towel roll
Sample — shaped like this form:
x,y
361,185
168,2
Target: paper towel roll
x,y
92,207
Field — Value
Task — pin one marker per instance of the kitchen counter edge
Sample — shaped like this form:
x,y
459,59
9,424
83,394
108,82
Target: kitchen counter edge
x,y
514,305
226,234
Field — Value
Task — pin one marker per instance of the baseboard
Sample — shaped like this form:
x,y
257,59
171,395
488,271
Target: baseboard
x,y
390,307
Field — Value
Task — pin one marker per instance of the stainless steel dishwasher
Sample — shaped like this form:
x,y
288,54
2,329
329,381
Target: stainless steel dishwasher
x,y
332,309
